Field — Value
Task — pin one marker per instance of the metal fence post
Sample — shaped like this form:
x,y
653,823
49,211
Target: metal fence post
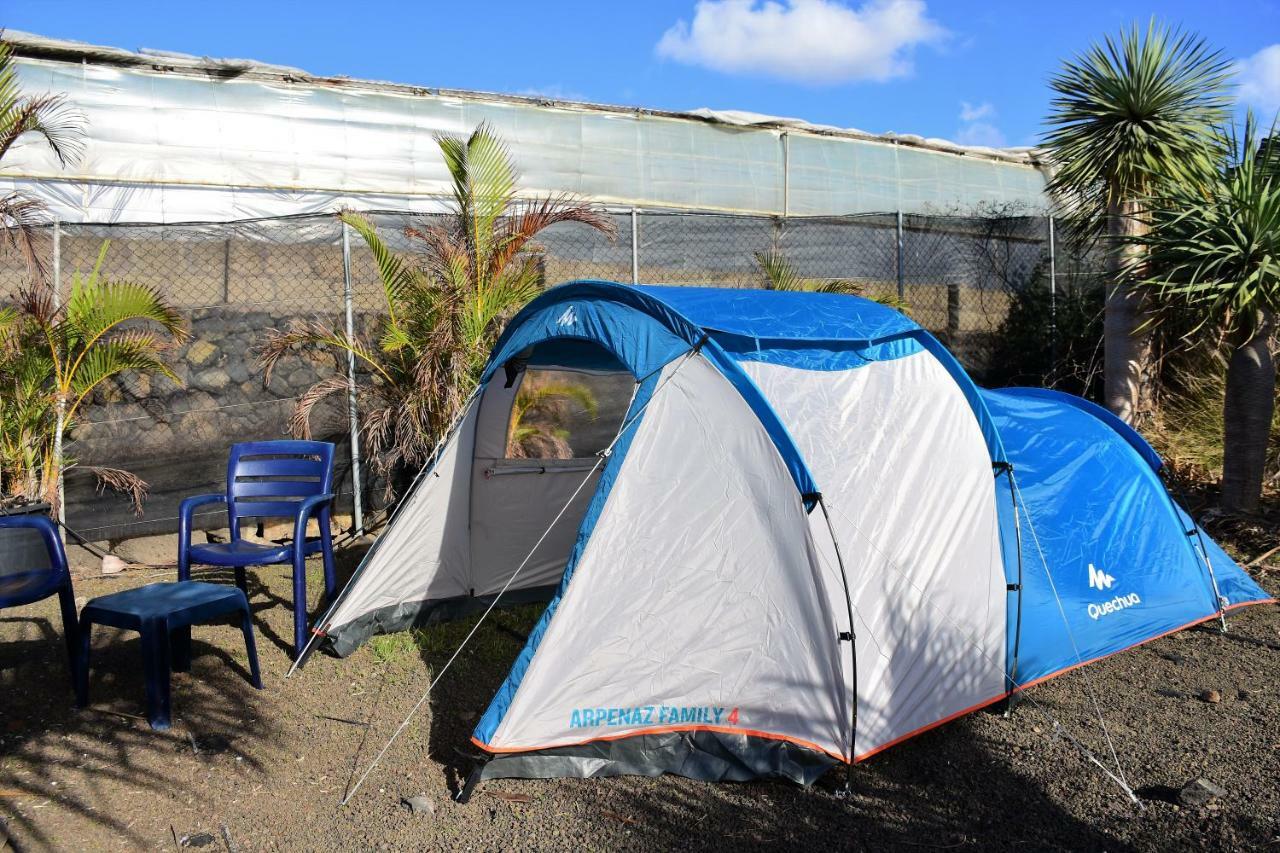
x,y
786,174
62,404
357,511
1053,302
635,247
902,287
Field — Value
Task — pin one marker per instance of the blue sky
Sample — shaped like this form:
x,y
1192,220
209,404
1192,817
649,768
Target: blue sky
x,y
974,72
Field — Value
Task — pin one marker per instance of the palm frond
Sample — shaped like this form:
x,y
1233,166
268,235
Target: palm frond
x,y
1215,246
776,271
119,480
20,220
310,336
300,420
396,276
528,218
48,116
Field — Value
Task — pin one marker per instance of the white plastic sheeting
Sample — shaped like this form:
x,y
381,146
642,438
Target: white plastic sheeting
x,y
905,473
174,139
698,594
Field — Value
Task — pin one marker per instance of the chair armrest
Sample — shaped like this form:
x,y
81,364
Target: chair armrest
x,y
48,533
185,511
305,510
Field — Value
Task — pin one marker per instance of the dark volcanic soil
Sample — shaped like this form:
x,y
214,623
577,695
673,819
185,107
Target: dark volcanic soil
x,y
265,770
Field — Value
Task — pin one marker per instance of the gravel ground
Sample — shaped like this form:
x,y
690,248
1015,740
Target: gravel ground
x,y
249,770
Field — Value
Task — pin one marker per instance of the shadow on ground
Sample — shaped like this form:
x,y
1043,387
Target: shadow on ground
x,y
97,762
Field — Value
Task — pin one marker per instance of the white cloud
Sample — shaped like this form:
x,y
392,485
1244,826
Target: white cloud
x,y
969,112
977,125
1259,78
810,41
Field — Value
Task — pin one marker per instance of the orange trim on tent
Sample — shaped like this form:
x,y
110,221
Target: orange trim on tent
x,y
1190,624
661,729
1045,678
882,747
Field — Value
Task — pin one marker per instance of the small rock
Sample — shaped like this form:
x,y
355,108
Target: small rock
x,y
1213,697
1199,792
199,839
112,565
1173,657
421,804
201,352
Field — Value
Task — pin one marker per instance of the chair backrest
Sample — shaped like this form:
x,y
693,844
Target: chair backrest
x,y
268,479
33,564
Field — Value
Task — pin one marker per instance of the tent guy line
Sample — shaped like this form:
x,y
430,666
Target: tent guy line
x,y
689,545
1058,728
432,458
1075,647
600,457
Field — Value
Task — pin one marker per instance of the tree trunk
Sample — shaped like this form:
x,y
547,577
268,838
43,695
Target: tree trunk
x,y
1246,417
1126,346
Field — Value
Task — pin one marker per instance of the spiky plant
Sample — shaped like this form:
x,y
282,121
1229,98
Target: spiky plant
x,y
52,358
536,430
1214,245
60,126
1130,113
446,301
777,273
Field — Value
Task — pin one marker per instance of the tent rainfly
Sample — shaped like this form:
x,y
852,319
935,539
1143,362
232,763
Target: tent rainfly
x,y
812,538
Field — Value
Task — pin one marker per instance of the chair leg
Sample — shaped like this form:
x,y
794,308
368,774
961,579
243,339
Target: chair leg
x,y
70,628
184,563
180,648
155,664
326,548
81,670
299,599
250,647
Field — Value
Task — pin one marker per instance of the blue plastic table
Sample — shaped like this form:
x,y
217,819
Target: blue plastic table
x,y
163,614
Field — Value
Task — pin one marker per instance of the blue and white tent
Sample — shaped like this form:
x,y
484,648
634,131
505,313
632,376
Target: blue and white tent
x,y
812,538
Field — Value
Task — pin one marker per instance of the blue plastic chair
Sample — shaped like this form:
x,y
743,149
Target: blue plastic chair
x,y
270,479
21,585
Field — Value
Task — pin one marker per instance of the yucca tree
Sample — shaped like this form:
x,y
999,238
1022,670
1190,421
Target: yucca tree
x,y
446,302
52,358
1214,246
1129,114
48,116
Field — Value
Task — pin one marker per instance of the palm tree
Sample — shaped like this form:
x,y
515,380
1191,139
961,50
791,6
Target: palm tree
x,y
1214,245
1129,114
446,303
777,273
48,116
536,429
53,357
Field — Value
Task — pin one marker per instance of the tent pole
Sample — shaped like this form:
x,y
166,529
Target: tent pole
x,y
849,636
1012,675
1218,600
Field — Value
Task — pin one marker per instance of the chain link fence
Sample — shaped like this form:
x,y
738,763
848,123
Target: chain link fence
x,y
981,284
